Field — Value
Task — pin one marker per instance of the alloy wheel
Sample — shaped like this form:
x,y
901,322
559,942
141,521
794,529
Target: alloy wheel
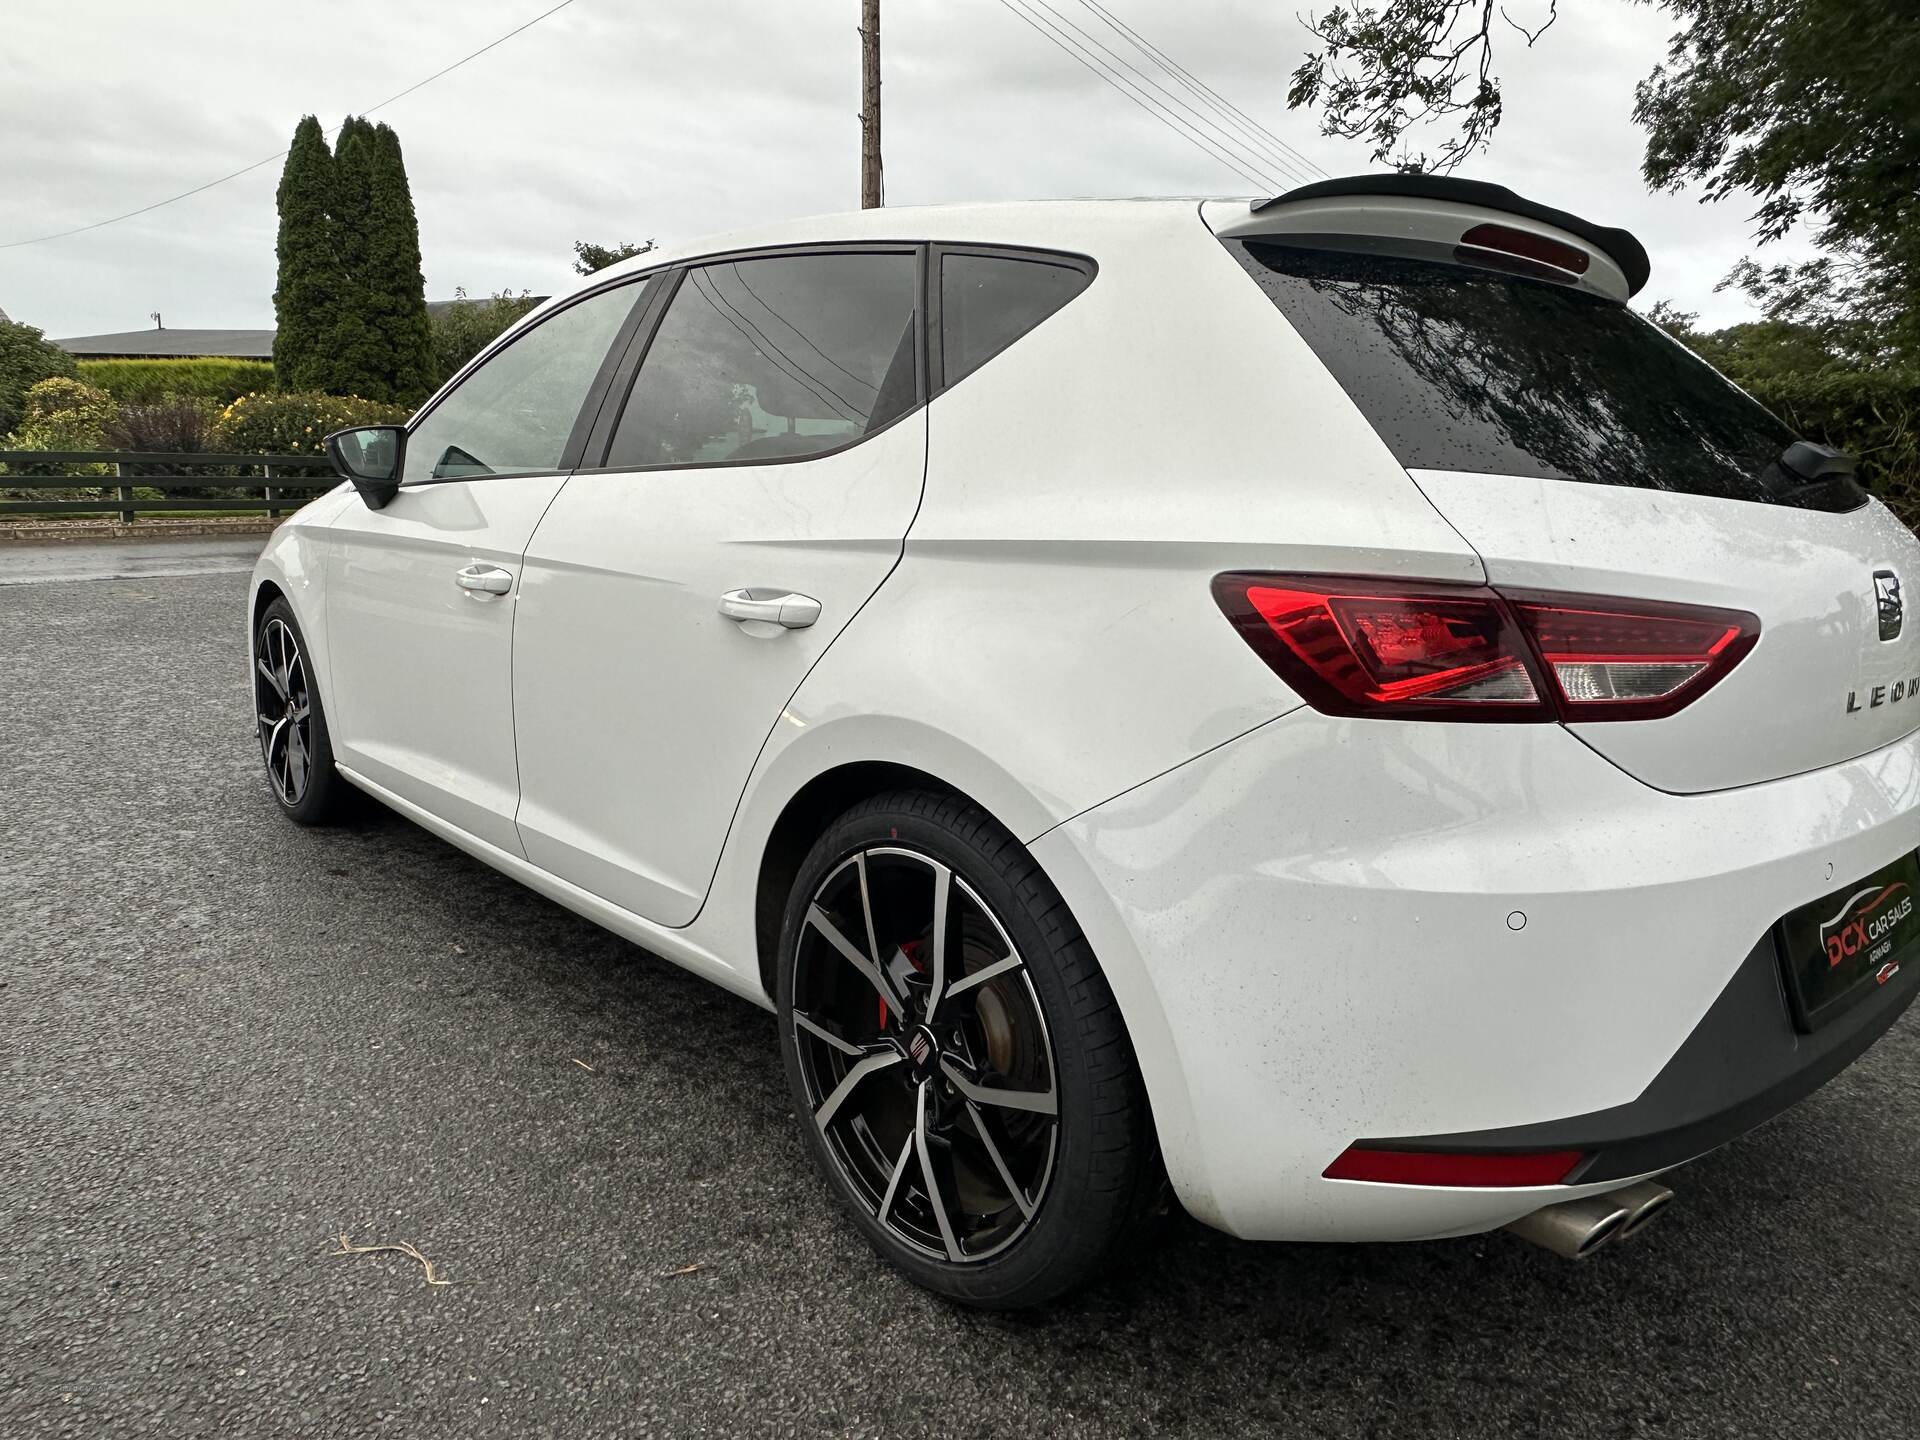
x,y
284,705
924,1054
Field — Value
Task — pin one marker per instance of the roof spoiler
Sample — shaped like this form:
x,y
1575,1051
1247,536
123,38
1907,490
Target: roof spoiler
x,y
1616,244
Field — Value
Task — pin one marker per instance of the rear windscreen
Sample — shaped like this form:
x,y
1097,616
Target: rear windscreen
x,y
1461,368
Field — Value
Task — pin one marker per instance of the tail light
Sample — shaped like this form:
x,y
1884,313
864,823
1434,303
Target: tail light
x,y
1464,652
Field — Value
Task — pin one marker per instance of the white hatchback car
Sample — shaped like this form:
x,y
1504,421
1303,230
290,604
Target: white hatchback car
x,y
1312,701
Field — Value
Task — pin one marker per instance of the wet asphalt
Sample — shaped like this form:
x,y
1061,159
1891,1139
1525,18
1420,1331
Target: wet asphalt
x,y
226,1042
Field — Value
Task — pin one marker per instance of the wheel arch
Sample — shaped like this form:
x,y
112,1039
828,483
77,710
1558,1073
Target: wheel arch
x,y
264,594
807,813
824,796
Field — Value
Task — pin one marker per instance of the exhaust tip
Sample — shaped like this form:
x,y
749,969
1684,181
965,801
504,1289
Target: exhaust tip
x,y
1645,1201
1574,1229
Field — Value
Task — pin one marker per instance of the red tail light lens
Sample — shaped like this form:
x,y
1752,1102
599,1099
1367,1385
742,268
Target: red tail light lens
x,y
1383,649
1613,660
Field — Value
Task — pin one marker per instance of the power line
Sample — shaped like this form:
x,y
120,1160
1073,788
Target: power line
x,y
1264,165
1177,116
1218,102
1185,131
281,154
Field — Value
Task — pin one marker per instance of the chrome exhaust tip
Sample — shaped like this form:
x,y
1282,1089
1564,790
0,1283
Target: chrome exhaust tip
x,y
1574,1229
1645,1201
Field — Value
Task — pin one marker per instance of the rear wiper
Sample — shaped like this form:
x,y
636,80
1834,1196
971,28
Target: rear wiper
x,y
1815,477
1805,461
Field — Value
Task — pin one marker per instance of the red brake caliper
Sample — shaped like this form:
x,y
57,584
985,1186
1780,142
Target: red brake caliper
x,y
910,949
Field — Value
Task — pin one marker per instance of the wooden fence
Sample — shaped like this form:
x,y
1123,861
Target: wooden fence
x,y
269,484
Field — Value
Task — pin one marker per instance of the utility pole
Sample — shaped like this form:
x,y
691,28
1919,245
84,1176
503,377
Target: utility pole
x,y
872,187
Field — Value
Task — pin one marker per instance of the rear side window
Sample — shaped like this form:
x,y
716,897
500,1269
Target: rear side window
x,y
989,301
774,359
1460,368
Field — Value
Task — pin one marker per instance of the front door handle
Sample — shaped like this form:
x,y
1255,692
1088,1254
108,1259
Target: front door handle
x,y
796,612
484,580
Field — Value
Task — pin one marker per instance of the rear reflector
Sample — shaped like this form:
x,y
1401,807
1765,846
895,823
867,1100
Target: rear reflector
x,y
1429,1167
1509,241
1468,652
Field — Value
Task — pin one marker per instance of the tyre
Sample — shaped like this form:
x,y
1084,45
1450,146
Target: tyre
x,y
293,723
957,1059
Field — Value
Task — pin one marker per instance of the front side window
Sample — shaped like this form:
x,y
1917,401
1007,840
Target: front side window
x,y
774,359
989,301
512,416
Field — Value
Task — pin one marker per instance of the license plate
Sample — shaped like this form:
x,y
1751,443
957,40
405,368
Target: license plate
x,y
1845,946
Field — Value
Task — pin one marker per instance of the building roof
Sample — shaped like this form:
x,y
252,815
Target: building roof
x,y
173,344
169,344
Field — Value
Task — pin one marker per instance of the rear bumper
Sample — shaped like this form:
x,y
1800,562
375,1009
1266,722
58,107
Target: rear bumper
x,y
1742,1065
1461,937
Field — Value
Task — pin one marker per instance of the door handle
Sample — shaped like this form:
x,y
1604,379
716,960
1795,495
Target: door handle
x,y
796,612
484,580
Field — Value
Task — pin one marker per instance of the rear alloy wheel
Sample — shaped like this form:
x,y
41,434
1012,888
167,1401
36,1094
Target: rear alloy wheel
x,y
964,1077
292,724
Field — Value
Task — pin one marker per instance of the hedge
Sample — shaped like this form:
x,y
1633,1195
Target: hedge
x,y
142,382
1874,414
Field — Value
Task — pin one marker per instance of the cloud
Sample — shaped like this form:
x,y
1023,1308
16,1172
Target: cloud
x,y
615,121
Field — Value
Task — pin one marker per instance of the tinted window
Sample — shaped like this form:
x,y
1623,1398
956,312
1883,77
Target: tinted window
x,y
989,301
1461,368
772,359
514,413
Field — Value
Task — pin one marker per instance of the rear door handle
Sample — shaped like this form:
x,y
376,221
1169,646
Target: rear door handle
x,y
484,580
796,612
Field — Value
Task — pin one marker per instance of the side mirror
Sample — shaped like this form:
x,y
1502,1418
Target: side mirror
x,y
371,459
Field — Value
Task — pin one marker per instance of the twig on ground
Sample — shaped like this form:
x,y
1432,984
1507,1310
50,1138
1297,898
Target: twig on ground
x,y
683,1270
586,1067
347,1247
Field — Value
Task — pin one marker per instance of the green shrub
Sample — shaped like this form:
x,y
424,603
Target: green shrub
x,y
295,422
461,330
62,414
26,357
146,382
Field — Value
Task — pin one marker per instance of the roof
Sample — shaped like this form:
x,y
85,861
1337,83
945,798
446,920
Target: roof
x,y
158,344
1618,245
174,344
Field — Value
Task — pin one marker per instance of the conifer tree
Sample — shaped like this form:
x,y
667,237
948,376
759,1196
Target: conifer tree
x,y
309,292
395,287
363,362
350,301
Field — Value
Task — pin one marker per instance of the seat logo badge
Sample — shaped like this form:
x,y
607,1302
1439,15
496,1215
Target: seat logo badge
x,y
1886,596
920,1047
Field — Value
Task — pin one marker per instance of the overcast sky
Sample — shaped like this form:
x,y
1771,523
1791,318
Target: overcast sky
x,y
622,120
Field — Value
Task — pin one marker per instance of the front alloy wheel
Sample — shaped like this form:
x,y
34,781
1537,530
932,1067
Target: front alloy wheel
x,y
292,723
963,1075
285,708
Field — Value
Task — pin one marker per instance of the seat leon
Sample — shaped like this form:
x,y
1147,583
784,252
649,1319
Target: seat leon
x,y
1310,703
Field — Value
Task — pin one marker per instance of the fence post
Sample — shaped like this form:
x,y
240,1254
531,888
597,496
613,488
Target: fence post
x,y
126,493
273,510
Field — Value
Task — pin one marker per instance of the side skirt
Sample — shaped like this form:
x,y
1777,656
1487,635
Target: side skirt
x,y
673,945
